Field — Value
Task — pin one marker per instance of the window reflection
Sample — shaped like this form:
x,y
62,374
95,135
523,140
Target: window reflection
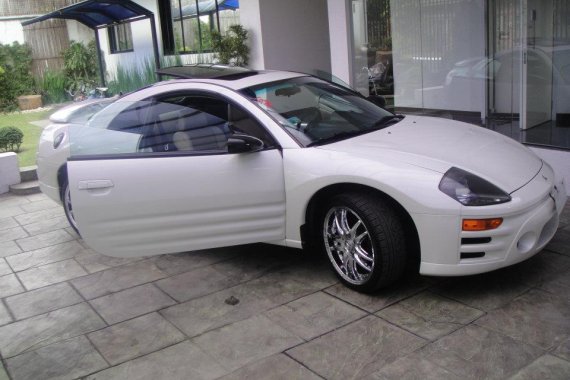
x,y
193,22
493,63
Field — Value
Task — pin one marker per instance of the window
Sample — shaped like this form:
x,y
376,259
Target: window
x,y
199,123
120,38
169,124
187,25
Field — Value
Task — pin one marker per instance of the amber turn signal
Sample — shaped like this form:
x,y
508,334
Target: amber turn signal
x,y
481,224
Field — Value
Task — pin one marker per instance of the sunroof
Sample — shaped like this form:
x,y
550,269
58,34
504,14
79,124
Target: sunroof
x,y
206,71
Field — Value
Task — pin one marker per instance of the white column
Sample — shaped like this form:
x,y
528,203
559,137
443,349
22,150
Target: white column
x,y
340,39
250,18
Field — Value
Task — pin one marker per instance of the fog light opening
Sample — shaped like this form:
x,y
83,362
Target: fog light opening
x,y
527,242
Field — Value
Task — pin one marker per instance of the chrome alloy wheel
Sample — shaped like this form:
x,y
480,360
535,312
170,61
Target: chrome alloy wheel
x,y
349,245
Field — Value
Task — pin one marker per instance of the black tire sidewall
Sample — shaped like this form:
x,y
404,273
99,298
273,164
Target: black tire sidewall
x,y
64,188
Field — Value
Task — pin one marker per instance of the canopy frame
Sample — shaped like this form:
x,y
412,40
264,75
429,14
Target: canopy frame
x,y
100,14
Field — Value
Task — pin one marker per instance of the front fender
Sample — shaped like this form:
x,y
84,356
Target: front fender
x,y
309,170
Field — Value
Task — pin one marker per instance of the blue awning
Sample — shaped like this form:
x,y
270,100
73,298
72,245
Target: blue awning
x,y
98,13
205,7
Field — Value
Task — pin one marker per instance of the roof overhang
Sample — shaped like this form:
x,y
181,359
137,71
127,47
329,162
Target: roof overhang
x,y
98,14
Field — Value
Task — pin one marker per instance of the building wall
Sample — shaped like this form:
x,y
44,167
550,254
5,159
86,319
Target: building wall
x,y
11,31
142,43
295,35
79,32
287,35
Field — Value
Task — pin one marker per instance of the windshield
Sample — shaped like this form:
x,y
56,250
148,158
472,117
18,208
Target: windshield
x,y
316,112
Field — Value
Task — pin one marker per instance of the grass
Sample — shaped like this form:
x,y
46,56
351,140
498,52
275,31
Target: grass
x,y
27,153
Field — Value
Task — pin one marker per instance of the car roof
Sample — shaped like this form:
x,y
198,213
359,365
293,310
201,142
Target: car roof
x,y
232,77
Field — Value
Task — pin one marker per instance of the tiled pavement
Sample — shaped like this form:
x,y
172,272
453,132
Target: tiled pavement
x,y
67,312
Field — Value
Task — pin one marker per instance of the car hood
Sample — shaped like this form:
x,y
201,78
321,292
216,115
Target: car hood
x,y
438,144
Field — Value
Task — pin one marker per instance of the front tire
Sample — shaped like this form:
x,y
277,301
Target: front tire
x,y
67,206
364,240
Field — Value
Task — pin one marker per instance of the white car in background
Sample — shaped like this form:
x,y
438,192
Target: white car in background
x,y
53,148
236,156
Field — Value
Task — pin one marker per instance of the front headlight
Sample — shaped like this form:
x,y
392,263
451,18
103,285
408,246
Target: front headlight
x,y
58,139
470,190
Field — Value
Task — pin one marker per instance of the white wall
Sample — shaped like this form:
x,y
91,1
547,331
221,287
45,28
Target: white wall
x,y
79,32
11,31
142,43
250,18
287,35
295,35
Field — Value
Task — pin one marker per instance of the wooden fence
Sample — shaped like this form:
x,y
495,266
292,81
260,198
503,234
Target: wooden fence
x,y
31,7
48,39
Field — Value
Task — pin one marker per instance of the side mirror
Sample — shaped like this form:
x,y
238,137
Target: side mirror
x,y
380,101
238,143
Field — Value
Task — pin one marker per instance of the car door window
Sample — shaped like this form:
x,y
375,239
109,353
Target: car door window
x,y
183,123
205,123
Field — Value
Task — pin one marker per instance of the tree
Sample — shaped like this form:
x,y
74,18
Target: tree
x,y
231,48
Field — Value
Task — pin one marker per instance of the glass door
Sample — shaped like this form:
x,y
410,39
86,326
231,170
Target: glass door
x,y
537,68
504,64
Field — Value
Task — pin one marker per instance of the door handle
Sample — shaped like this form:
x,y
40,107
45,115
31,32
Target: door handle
x,y
95,184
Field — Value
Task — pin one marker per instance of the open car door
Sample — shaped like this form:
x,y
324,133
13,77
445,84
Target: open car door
x,y
156,176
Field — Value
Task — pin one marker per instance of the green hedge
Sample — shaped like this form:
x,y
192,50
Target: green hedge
x,y
15,74
10,139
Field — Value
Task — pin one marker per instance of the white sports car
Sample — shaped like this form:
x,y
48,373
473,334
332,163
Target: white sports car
x,y
236,156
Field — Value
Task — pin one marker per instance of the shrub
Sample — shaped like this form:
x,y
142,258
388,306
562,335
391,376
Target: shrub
x,y
134,77
53,87
15,74
81,66
231,48
10,139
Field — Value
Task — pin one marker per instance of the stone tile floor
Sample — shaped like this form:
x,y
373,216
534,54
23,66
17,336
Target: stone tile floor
x,y
67,312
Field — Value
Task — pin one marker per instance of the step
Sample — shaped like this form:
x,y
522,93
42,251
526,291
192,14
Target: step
x,y
29,173
25,188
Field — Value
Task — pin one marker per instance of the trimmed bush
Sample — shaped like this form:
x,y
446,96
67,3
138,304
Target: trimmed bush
x,y
15,75
10,139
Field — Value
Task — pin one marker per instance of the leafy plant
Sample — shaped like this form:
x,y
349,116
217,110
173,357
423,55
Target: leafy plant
x,y
231,48
92,49
15,74
78,62
10,139
53,87
133,78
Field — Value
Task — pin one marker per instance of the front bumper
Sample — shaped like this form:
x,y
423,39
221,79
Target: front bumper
x,y
47,178
529,223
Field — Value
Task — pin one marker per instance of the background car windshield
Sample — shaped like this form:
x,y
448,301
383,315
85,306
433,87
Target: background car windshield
x,y
313,110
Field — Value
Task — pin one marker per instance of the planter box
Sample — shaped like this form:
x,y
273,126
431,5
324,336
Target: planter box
x,y
29,102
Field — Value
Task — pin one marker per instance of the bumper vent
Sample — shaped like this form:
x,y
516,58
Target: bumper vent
x,y
472,255
478,240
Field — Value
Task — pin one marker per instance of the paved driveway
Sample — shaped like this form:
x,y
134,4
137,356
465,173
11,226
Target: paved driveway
x,y
261,311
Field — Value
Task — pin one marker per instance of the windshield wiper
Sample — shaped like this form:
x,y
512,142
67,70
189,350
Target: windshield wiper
x,y
387,120
340,136
380,124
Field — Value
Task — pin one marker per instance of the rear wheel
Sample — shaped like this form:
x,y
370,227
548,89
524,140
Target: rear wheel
x,y
67,206
364,241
